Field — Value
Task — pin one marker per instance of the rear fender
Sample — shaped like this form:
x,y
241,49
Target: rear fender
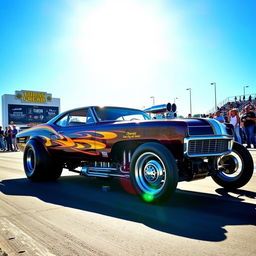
x,y
40,140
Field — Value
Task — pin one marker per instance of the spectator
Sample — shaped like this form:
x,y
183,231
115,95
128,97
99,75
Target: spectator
x,y
234,119
14,141
8,137
2,144
219,117
5,137
248,119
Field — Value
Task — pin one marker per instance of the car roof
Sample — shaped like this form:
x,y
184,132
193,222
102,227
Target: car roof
x,y
76,109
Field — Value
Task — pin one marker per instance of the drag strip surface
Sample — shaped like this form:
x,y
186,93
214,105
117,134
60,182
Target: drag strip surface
x,y
75,216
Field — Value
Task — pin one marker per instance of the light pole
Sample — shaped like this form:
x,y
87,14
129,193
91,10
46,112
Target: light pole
x,y
174,99
189,89
215,96
246,86
153,98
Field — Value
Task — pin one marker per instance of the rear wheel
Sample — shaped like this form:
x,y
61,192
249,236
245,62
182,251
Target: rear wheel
x,y
234,169
154,172
38,165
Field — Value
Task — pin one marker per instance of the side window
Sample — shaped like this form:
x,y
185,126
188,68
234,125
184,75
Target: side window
x,y
76,118
63,121
89,117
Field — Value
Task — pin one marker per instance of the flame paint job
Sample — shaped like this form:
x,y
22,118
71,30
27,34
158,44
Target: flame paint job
x,y
78,141
42,128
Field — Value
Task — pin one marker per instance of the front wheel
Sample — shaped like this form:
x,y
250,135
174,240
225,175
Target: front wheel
x,y
154,173
234,169
38,164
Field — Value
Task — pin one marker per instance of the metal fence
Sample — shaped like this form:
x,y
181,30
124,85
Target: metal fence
x,y
232,99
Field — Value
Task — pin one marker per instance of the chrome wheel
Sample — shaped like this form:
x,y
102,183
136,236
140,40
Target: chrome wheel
x,y
153,172
150,173
30,161
230,166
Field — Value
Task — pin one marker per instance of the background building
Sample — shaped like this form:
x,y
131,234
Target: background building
x,y
28,108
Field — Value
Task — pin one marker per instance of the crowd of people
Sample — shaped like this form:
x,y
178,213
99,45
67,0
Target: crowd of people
x,y
242,117
8,138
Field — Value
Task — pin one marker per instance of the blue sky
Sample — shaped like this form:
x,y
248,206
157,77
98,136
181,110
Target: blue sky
x,y
114,52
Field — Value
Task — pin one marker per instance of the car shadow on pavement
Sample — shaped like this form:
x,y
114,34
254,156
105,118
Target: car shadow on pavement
x,y
238,192
189,214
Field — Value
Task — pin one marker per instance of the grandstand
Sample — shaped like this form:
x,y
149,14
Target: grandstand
x,y
235,102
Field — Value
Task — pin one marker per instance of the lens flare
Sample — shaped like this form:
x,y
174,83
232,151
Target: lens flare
x,y
148,197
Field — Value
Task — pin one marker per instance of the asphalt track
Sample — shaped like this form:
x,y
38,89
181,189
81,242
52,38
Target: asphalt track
x,y
79,216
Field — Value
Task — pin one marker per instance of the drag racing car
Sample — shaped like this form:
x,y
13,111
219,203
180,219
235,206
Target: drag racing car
x,y
125,143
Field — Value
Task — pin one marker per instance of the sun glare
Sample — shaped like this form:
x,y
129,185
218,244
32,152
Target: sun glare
x,y
119,39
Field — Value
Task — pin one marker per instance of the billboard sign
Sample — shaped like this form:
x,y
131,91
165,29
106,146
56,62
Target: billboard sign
x,y
30,115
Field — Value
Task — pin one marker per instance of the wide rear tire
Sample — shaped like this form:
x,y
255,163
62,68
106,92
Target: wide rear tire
x,y
154,173
38,165
234,169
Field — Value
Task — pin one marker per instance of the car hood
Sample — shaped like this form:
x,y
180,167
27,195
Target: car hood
x,y
190,127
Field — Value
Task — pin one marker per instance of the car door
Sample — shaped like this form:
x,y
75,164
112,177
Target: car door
x,y
75,133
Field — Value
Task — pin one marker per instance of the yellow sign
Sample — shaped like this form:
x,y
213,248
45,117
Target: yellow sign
x,y
39,97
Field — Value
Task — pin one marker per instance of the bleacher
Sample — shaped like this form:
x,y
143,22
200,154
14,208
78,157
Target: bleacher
x,y
238,102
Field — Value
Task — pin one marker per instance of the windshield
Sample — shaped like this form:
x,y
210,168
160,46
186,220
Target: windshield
x,y
120,114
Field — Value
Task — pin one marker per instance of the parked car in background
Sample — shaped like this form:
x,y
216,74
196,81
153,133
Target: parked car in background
x,y
154,155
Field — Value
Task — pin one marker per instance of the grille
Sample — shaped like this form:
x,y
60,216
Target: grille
x,y
213,146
